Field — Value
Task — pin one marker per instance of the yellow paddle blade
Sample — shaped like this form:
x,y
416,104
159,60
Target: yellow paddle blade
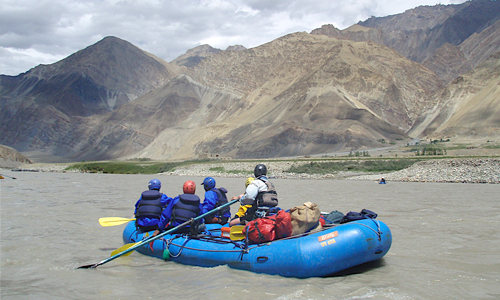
x,y
113,221
123,248
236,233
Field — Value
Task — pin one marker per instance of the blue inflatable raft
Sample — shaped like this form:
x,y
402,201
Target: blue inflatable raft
x,y
331,250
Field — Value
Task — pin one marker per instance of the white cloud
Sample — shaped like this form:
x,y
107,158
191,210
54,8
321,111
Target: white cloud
x,y
44,31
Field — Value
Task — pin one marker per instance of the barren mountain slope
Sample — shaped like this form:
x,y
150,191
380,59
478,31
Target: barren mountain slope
x,y
39,109
415,33
469,107
355,33
419,32
450,61
303,94
435,36
480,46
180,106
374,76
94,80
193,56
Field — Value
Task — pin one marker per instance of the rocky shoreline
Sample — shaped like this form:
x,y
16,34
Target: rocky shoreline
x,y
470,170
466,170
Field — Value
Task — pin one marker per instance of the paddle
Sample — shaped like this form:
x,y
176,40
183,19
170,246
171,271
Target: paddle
x,y
149,240
113,221
126,246
123,248
236,233
8,176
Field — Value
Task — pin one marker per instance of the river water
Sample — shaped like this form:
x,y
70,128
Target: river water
x,y
446,241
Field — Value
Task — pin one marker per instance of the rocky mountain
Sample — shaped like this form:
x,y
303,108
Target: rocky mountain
x,y
194,56
468,108
37,108
297,95
436,36
450,61
95,80
301,94
10,157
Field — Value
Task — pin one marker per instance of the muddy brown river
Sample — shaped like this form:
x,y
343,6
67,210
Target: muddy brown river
x,y
446,241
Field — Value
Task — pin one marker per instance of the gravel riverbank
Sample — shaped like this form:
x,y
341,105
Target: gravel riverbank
x,y
469,170
466,170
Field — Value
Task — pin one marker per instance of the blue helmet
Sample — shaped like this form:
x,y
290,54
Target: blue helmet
x,y
154,184
208,183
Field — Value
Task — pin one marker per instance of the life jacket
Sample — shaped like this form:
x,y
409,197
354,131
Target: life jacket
x,y
221,200
150,204
186,208
267,198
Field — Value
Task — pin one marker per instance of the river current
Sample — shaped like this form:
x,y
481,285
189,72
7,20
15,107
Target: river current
x,y
446,241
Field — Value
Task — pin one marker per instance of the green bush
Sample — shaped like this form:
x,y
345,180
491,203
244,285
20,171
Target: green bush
x,y
124,167
217,169
354,165
222,170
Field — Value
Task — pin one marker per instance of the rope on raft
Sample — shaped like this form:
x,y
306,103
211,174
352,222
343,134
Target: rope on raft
x,y
244,247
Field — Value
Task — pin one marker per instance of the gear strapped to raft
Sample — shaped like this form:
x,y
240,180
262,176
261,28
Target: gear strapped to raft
x,y
242,246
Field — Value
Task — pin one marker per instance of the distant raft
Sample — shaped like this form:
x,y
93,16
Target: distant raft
x,y
331,250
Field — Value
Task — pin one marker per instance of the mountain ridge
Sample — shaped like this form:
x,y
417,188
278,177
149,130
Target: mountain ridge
x,y
300,94
419,34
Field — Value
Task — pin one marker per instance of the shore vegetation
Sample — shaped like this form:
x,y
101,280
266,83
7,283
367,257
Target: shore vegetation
x,y
372,166
127,167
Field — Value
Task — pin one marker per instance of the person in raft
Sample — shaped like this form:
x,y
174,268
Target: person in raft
x,y
182,208
214,197
150,205
260,194
243,208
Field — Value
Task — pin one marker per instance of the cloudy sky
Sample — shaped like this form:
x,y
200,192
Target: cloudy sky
x,y
34,32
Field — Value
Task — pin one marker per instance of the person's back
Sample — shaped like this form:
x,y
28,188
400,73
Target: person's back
x,y
186,207
261,194
242,210
214,197
181,209
267,195
150,205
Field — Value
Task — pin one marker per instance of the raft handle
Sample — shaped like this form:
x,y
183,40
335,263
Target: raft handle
x,y
262,259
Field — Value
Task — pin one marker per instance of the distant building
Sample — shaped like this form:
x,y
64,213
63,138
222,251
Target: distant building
x,y
213,156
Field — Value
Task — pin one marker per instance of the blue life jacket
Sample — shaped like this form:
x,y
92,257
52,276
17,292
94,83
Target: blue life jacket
x,y
150,204
186,208
221,200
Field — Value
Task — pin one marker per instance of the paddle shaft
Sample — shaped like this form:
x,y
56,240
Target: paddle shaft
x,y
153,238
8,176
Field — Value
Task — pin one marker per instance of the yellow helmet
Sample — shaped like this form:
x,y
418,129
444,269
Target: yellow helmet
x,y
249,180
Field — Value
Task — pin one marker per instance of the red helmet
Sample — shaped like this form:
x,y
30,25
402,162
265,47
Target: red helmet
x,y
189,187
